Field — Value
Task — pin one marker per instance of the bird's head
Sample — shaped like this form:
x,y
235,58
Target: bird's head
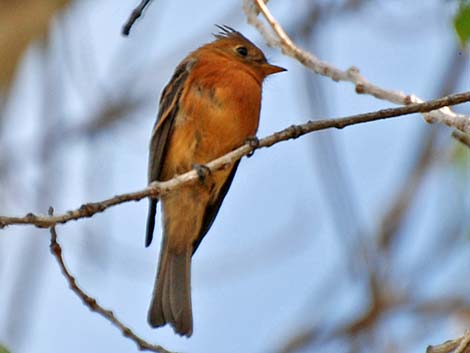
x,y
235,45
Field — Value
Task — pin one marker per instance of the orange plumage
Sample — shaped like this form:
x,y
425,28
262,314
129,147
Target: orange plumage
x,y
210,106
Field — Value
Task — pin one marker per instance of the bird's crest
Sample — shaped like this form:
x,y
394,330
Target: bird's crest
x,y
228,32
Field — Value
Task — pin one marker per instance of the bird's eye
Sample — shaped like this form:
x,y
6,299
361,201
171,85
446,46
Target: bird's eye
x,y
243,51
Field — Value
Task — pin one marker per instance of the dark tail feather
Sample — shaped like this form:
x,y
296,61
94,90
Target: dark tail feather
x,y
151,221
171,302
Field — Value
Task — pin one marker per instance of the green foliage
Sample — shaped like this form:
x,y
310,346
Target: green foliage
x,y
462,22
3,349
461,163
461,158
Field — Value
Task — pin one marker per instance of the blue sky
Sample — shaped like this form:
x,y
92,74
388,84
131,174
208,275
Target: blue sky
x,y
264,270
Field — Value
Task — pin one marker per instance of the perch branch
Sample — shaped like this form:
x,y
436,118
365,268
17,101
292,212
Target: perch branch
x,y
157,188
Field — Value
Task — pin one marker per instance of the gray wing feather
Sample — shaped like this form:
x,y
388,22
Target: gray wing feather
x,y
169,106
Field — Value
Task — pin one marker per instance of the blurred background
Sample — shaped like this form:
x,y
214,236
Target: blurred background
x,y
354,240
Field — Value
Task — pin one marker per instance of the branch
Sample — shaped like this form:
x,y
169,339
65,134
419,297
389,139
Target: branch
x,y
135,14
157,188
288,47
91,303
459,345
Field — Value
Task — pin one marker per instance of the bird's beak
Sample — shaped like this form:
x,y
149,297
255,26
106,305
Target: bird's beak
x,y
269,69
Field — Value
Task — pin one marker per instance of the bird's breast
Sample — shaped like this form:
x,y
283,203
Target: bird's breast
x,y
223,110
217,113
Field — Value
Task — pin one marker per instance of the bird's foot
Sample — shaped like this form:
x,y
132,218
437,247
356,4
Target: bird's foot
x,y
253,141
202,171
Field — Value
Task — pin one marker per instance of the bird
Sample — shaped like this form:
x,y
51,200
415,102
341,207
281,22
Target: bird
x,y
210,106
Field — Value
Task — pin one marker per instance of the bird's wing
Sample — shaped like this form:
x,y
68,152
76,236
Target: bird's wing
x,y
213,207
169,106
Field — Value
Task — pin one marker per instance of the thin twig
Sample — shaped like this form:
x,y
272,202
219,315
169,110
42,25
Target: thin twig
x,y
288,47
156,188
459,345
464,346
395,214
461,137
91,303
135,14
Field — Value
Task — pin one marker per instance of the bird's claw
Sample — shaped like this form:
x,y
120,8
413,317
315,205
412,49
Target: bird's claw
x,y
253,141
202,171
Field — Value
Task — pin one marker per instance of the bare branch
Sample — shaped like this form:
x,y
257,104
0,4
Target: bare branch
x,y
135,14
288,47
157,188
394,215
459,345
91,303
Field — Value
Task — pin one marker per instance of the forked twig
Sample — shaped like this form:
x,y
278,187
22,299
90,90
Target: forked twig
x,y
91,303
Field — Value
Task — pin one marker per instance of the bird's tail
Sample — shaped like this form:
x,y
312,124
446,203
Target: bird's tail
x,y
171,301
